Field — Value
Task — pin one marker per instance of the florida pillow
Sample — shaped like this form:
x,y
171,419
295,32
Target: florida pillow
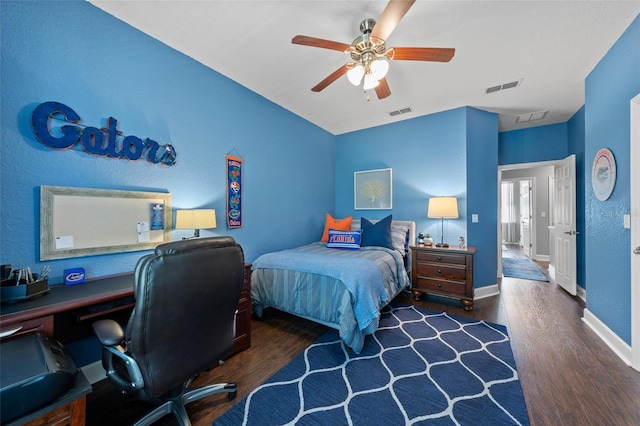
x,y
376,234
337,224
344,239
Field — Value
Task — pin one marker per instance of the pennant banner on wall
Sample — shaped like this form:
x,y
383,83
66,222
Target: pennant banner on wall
x,y
234,192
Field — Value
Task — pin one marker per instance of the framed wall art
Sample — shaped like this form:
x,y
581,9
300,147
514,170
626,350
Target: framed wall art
x,y
373,189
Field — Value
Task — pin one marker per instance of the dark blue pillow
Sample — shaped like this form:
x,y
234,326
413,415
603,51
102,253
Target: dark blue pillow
x,y
376,234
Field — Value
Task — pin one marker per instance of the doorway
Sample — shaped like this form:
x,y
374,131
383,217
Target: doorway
x,y
535,181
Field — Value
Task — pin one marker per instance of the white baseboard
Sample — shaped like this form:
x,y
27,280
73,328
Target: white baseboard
x,y
543,257
94,372
615,343
486,291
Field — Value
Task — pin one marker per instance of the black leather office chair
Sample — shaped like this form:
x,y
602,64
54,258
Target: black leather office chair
x,y
183,323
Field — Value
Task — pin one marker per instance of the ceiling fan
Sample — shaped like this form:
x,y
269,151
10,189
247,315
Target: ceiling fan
x,y
369,52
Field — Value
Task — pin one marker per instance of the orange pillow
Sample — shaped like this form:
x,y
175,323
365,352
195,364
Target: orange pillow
x,y
337,224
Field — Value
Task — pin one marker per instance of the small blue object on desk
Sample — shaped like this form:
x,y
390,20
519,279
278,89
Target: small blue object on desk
x,y
74,276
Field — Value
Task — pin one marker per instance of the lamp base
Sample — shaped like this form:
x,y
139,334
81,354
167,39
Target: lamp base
x,y
443,245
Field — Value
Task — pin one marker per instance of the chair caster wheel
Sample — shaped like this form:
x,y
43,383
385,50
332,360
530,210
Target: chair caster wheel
x,y
232,395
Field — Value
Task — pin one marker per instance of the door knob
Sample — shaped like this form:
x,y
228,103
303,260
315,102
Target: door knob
x,y
636,250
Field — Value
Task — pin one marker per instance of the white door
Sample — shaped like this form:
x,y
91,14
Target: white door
x,y
525,217
565,216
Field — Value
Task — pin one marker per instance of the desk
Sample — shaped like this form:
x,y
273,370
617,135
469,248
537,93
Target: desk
x,y
37,315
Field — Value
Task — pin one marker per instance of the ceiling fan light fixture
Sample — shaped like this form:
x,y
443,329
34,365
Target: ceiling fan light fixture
x,y
355,74
370,82
379,68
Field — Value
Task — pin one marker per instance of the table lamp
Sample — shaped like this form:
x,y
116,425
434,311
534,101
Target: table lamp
x,y
443,208
195,219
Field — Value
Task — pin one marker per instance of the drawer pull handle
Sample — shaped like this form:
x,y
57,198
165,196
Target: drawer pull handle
x,y
439,284
439,271
10,332
439,257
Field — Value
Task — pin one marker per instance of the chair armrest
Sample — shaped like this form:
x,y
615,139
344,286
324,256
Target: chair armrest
x,y
109,332
111,335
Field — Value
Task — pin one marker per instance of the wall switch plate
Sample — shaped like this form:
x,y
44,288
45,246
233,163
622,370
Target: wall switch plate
x,y
627,221
474,218
543,214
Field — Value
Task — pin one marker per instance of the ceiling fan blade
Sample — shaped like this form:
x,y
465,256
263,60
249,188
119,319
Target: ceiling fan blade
x,y
435,54
318,42
382,89
330,79
390,17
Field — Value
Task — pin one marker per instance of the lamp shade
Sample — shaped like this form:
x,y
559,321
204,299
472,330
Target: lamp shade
x,y
369,82
443,208
379,68
196,219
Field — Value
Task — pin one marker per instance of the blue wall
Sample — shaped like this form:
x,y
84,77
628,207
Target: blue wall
x,y
431,156
76,54
534,144
482,192
608,90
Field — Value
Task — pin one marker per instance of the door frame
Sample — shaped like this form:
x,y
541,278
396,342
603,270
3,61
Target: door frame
x,y
634,158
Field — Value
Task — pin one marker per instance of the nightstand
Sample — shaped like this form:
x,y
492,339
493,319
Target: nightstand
x,y
443,271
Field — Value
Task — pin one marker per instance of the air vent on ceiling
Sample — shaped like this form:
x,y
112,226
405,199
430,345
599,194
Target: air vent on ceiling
x,y
504,86
400,111
531,116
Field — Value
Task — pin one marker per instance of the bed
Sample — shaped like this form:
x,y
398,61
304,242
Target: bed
x,y
340,288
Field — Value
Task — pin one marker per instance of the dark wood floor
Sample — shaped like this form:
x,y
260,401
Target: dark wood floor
x,y
568,375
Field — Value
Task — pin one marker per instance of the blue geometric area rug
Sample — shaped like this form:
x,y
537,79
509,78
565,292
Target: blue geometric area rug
x,y
419,368
521,268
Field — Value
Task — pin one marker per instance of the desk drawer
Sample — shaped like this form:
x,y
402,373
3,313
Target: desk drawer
x,y
440,286
37,325
444,271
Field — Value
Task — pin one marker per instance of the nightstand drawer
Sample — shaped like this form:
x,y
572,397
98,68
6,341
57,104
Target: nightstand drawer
x,y
436,285
450,272
441,258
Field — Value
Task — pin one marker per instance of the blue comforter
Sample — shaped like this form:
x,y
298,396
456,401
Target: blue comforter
x,y
291,279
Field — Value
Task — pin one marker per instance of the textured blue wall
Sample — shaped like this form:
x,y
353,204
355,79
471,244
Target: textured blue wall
x,y
77,54
429,156
534,144
608,91
482,192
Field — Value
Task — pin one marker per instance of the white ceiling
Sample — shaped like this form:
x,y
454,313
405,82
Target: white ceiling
x,y
549,46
